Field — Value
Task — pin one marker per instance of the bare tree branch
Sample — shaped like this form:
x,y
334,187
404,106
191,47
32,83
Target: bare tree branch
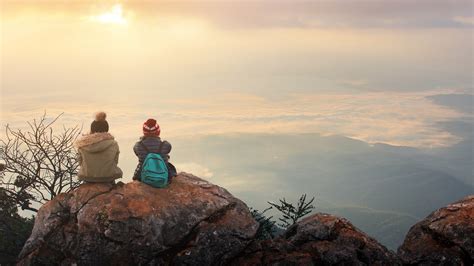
x,y
39,163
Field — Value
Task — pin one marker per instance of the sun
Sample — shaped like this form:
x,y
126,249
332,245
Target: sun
x,y
113,16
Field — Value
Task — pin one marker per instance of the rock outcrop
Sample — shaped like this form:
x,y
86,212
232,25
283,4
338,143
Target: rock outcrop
x,y
445,237
190,222
320,239
193,222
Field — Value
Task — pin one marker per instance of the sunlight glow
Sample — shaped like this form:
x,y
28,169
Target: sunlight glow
x,y
114,16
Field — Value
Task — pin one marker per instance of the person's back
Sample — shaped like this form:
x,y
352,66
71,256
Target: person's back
x,y
151,142
98,153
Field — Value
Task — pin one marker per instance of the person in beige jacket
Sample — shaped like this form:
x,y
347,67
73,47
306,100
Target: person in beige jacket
x,y
98,153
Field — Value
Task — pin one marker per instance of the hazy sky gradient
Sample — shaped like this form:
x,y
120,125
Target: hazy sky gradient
x,y
362,69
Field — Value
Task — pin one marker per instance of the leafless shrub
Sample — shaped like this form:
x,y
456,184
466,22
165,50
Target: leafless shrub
x,y
39,163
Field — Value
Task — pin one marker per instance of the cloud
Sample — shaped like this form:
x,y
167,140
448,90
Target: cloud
x,y
460,102
465,20
322,14
408,119
281,14
195,169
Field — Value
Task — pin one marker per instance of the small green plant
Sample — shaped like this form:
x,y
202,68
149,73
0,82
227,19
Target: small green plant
x,y
290,213
266,230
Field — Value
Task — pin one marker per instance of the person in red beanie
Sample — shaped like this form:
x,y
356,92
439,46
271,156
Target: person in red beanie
x,y
151,142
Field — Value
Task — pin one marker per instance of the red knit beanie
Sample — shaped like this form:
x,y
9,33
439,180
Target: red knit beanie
x,y
151,128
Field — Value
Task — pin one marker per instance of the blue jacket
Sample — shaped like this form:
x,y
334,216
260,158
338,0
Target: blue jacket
x,y
152,144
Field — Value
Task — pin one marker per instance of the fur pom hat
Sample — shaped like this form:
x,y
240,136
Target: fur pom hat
x,y
151,128
100,124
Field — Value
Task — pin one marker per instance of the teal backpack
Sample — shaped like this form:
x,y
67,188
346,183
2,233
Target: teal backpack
x,y
154,169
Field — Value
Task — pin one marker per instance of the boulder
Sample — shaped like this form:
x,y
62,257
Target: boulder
x,y
190,222
445,237
193,222
320,239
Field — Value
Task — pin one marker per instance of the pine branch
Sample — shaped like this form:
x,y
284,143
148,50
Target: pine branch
x,y
290,213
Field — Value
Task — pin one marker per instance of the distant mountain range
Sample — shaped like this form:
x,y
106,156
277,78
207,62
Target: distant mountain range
x,y
382,189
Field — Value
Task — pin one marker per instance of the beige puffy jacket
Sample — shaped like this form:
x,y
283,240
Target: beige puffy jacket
x,y
98,158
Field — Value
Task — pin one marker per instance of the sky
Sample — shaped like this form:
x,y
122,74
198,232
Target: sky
x,y
369,70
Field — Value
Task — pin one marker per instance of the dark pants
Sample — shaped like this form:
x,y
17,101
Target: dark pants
x,y
171,171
